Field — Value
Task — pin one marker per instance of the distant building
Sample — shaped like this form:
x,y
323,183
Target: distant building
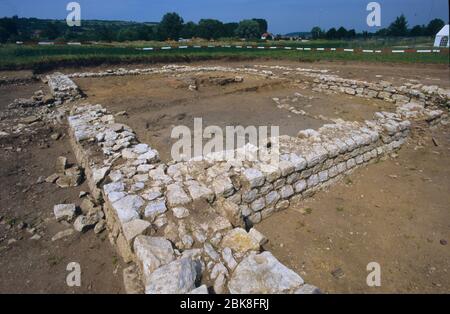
x,y
441,39
267,36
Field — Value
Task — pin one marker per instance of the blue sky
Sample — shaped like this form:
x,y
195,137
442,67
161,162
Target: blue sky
x,y
283,15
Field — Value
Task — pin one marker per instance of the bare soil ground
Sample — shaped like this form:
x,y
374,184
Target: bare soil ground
x,y
395,212
26,210
156,104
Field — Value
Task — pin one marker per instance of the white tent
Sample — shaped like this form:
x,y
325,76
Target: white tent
x,y
441,39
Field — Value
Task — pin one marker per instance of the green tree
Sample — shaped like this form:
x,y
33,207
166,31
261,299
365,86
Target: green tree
x,y
317,32
351,34
434,27
189,30
210,29
417,31
3,35
263,26
229,29
248,29
128,34
170,26
103,33
341,33
51,31
399,27
331,34
382,32
145,32
10,25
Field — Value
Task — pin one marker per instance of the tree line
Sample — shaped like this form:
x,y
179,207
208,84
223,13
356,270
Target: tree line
x,y
398,28
171,27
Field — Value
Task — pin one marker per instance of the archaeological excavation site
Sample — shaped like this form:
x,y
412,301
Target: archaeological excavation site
x,y
89,179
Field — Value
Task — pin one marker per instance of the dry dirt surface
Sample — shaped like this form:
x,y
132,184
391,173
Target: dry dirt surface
x,y
394,212
30,261
155,104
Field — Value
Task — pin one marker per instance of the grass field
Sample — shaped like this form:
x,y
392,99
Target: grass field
x,y
42,58
378,43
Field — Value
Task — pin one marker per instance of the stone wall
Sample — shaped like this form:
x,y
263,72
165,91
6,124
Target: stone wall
x,y
62,87
428,95
167,222
167,69
183,222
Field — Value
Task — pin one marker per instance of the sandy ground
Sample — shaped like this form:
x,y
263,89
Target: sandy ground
x,y
394,212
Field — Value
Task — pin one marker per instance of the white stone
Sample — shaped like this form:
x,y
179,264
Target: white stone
x,y
263,274
239,241
64,211
271,172
200,290
218,269
223,186
323,176
99,174
176,196
152,193
150,156
227,256
128,208
300,186
258,204
211,252
180,212
298,162
313,181
286,167
155,208
134,228
128,153
152,252
177,277
144,168
220,284
286,191
258,236
83,223
113,187
249,196
199,191
141,148
272,198
62,234
254,177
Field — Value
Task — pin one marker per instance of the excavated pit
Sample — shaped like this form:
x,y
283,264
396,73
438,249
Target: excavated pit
x,y
146,196
154,104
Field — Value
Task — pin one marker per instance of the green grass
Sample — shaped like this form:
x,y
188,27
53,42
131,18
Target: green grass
x,y
42,58
378,43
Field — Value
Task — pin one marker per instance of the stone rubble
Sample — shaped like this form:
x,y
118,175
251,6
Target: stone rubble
x,y
62,87
182,223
